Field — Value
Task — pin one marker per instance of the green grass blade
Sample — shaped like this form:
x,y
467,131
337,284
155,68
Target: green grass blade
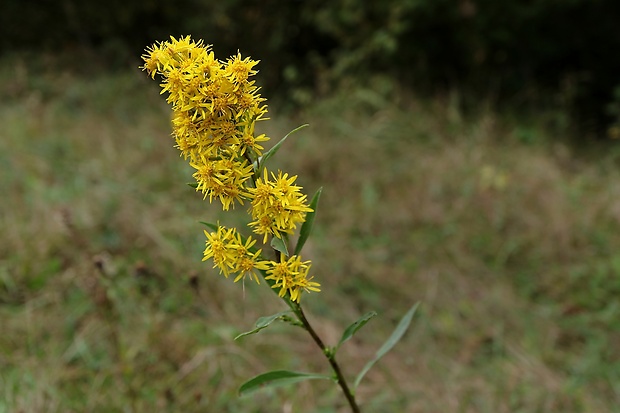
x,y
277,378
263,322
398,333
353,328
306,227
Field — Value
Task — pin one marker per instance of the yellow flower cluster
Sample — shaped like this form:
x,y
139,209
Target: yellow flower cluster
x,y
215,108
231,255
277,205
291,276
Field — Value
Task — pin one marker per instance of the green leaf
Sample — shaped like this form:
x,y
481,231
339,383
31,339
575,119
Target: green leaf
x,y
352,329
306,227
263,159
193,185
263,322
398,333
279,244
277,378
214,227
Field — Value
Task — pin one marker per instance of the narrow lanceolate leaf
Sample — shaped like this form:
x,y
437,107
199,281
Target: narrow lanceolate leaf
x,y
263,322
306,227
214,227
277,378
352,329
279,244
398,333
277,146
193,185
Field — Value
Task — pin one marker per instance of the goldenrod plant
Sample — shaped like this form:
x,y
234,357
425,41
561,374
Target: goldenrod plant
x,y
216,106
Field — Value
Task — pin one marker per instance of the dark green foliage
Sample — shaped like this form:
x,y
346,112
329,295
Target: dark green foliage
x,y
520,51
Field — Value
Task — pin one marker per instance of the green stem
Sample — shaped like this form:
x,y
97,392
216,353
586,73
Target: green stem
x,y
248,158
330,357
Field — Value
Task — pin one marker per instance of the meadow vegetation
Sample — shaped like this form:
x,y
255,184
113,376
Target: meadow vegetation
x,y
507,235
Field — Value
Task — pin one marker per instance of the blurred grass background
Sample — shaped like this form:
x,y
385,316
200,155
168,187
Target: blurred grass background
x,y
502,222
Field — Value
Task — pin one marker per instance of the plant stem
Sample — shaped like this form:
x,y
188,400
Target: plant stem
x,y
330,357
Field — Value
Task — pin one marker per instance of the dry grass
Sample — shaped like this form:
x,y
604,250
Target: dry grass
x,y
106,306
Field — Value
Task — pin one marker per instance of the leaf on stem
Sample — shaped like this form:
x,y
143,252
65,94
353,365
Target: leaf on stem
x,y
214,227
398,333
353,328
279,244
263,322
306,227
277,146
277,378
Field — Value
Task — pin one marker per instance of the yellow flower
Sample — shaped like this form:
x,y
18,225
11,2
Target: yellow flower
x,y
218,247
291,277
215,106
247,261
155,59
233,256
238,70
249,105
222,178
277,205
251,142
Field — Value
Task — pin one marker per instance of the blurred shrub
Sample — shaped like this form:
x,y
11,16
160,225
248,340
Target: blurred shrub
x,y
511,49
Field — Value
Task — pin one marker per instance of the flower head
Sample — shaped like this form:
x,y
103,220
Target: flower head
x,y
232,255
277,205
218,247
238,70
223,179
291,277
